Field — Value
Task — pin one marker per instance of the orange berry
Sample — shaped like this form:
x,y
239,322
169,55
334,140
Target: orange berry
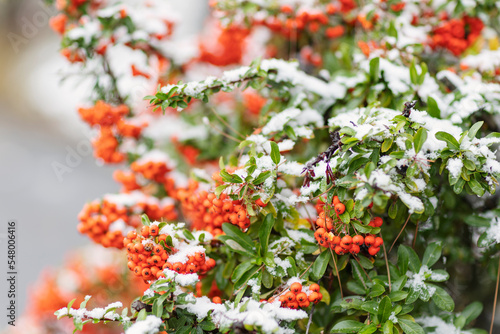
x,y
313,297
293,305
373,250
339,208
378,242
377,221
335,200
354,249
314,287
358,240
369,240
138,271
296,287
132,235
301,297
290,296
178,267
191,268
304,304
260,203
153,230
145,231
346,240
138,248
217,300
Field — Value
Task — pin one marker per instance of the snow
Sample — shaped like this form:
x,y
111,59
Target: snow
x,y
454,166
416,281
297,235
148,326
440,326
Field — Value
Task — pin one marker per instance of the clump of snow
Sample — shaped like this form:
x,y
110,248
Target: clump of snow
x,y
150,325
454,166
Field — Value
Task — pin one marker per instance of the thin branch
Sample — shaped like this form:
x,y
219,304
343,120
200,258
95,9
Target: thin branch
x,y
245,284
222,132
338,274
226,123
310,318
386,263
495,301
362,268
415,236
406,222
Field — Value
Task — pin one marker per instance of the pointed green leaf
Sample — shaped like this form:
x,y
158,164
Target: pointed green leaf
x,y
264,232
432,254
275,153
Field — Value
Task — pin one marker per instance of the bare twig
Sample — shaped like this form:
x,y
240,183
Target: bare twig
x,y
310,318
406,222
495,301
338,274
386,263
226,123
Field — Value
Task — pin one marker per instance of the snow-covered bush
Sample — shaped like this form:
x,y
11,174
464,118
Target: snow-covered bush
x,y
334,162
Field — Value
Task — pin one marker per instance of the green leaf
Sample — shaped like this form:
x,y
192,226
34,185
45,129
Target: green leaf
x,y
472,311
384,309
419,139
368,329
237,235
265,231
476,187
374,69
432,254
158,305
474,129
410,327
319,266
376,290
357,273
142,315
442,299
397,296
411,258
388,326
261,178
451,142
145,220
347,326
477,221
240,270
413,74
188,235
386,145
275,153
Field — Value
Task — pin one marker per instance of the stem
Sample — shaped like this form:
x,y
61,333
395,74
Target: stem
x,y
386,264
495,301
226,123
223,133
310,318
338,274
415,236
407,220
109,72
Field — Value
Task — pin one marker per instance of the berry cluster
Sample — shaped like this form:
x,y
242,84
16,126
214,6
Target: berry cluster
x,y
297,297
207,212
457,35
331,232
226,48
105,221
151,170
148,255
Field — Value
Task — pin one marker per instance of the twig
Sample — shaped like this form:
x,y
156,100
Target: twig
x,y
495,301
333,185
222,132
407,220
226,123
310,318
338,274
415,236
386,264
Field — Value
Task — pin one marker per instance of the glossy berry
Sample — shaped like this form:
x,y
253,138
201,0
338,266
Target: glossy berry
x,y
358,240
217,300
369,240
296,287
339,208
301,297
373,250
153,230
314,287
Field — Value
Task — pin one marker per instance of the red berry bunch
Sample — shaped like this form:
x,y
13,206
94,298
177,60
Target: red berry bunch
x,y
151,169
106,221
297,297
148,255
332,233
457,35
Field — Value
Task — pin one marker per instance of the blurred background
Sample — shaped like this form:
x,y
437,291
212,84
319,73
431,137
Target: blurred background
x,y
40,132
